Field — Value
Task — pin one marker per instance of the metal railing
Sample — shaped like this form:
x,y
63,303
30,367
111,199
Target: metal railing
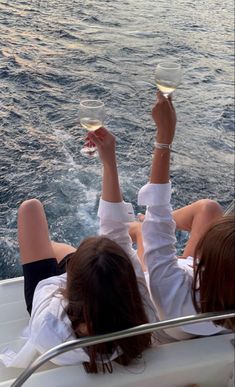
x,y
230,209
92,340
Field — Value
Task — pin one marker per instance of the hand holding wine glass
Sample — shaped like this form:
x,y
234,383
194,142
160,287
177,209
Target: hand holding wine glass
x,y
168,76
91,114
164,116
105,143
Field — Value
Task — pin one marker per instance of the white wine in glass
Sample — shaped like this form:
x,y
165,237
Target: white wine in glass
x,y
91,113
168,76
90,124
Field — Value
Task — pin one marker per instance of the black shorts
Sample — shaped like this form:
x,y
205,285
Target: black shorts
x,y
34,272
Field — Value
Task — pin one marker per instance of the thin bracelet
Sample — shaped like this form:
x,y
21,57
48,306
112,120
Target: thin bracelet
x,y
159,145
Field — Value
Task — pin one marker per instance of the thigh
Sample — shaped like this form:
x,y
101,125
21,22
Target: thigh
x,y
183,217
197,215
195,219
33,234
61,250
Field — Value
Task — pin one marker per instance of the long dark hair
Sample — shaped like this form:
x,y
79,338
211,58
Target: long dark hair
x,y
213,287
103,296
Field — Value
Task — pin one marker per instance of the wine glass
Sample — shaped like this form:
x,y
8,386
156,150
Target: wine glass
x,y
91,114
168,76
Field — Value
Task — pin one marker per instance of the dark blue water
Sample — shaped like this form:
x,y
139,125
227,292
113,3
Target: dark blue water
x,y
54,53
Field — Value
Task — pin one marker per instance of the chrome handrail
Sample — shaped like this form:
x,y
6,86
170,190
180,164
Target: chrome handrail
x,y
92,340
231,208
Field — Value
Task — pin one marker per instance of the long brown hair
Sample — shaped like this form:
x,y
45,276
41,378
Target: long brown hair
x,y
103,296
213,287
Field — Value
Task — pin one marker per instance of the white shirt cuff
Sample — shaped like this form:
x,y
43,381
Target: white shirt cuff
x,y
122,212
154,195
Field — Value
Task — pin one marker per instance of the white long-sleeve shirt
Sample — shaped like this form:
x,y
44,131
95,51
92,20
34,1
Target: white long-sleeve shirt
x,y
49,324
170,278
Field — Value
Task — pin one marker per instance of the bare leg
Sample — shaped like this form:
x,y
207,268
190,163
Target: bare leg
x,y
135,231
61,250
193,218
33,234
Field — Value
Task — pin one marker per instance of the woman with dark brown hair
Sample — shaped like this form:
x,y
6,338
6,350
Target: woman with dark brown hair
x,y
95,289
178,289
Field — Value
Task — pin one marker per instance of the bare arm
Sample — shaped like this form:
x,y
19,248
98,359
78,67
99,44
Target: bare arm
x,y
105,142
114,213
164,116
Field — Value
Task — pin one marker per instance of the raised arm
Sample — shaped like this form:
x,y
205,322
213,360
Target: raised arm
x,y
115,214
164,116
105,142
166,278
170,284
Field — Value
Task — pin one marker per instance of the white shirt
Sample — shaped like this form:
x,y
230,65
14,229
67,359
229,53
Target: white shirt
x,y
170,278
49,324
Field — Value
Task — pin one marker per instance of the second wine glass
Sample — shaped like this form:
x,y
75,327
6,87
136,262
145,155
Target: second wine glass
x,y
168,76
91,114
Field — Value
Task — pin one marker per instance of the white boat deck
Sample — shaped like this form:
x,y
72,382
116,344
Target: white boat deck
x,y
206,362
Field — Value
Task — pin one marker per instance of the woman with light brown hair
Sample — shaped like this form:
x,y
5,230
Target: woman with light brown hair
x,y
213,286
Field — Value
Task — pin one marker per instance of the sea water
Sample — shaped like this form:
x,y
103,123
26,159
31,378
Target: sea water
x,y
55,53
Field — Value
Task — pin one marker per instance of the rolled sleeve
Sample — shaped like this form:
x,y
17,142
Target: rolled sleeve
x,y
170,282
119,212
114,224
155,194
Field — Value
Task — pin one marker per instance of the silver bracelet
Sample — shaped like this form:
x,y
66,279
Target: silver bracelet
x,y
159,145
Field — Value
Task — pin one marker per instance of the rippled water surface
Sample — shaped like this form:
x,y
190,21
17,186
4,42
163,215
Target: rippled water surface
x,y
53,53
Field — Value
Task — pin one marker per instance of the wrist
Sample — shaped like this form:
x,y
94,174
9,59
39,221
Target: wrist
x,y
110,165
162,146
162,140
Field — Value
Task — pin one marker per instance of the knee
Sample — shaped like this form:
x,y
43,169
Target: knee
x,y
135,230
30,206
210,208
